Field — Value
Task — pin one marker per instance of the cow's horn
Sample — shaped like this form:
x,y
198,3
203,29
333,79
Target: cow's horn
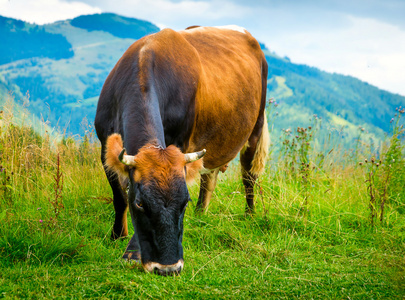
x,y
190,157
128,160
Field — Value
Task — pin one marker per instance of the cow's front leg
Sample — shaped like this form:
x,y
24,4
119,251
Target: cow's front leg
x,y
132,252
120,228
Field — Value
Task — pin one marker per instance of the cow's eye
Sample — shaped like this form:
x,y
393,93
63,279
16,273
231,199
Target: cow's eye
x,y
139,205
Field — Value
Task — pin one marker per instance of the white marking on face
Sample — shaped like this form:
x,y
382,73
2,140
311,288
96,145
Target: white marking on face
x,y
150,267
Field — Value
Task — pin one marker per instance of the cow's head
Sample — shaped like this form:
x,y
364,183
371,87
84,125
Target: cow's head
x,y
158,197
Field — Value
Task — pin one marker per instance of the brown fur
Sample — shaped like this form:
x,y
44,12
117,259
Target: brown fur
x,y
230,74
152,163
159,165
113,149
193,170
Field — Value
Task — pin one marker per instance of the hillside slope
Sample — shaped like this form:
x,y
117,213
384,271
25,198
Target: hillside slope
x,y
22,40
64,90
305,89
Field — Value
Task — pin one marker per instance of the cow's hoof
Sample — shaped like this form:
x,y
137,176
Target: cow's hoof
x,y
132,256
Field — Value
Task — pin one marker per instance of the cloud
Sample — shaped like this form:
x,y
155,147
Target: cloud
x,y
362,38
45,11
369,49
177,14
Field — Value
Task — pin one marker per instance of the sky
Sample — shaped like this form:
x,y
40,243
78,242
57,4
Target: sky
x,y
360,38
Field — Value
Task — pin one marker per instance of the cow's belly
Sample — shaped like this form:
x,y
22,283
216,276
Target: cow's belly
x,y
224,130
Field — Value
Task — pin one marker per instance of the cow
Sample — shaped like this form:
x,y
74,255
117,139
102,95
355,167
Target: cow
x,y
178,104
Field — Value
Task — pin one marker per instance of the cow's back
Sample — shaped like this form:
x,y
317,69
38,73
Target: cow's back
x,y
205,82
156,78
229,98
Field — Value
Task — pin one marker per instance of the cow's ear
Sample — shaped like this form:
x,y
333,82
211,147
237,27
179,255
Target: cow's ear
x,y
114,146
193,169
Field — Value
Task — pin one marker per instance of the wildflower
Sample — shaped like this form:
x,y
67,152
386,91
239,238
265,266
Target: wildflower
x,y
392,120
40,221
365,160
360,163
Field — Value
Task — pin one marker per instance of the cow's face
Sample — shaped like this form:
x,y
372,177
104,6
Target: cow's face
x,y
158,197
158,221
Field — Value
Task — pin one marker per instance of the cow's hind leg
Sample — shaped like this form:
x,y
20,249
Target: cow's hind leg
x,y
253,159
120,228
208,182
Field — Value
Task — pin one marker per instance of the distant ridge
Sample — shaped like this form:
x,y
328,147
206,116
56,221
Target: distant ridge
x,y
118,26
64,85
21,40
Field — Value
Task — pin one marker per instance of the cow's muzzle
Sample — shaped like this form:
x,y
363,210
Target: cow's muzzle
x,y
164,270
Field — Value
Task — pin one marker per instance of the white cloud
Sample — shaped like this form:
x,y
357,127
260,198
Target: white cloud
x,y
335,38
45,11
178,14
368,49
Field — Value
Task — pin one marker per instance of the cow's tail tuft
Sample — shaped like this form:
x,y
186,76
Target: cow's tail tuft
x,y
262,150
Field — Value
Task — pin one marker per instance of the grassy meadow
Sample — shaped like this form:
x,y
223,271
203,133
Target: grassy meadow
x,y
328,224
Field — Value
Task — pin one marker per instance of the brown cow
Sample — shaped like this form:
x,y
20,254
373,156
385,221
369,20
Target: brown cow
x,y
173,93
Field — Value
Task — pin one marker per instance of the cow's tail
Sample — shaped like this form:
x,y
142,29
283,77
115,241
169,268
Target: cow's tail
x,y
262,150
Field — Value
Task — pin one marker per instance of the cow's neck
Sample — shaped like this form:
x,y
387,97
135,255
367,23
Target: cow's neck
x,y
144,124
157,133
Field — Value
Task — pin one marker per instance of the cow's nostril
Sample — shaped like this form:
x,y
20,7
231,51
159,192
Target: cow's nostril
x,y
165,272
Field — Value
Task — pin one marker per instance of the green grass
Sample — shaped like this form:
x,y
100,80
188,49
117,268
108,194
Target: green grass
x,y
305,241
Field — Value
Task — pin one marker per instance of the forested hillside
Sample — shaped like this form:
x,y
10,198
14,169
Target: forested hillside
x,y
118,26
22,40
65,73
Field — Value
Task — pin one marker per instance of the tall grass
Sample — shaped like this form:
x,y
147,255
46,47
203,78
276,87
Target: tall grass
x,y
317,231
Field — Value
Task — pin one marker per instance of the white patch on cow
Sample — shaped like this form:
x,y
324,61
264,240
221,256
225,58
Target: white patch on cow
x,y
150,267
228,27
232,27
206,171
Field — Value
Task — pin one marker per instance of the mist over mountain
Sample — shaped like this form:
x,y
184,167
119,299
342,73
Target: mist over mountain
x,y
61,67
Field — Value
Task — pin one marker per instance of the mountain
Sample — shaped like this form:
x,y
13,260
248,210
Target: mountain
x,y
22,40
61,67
